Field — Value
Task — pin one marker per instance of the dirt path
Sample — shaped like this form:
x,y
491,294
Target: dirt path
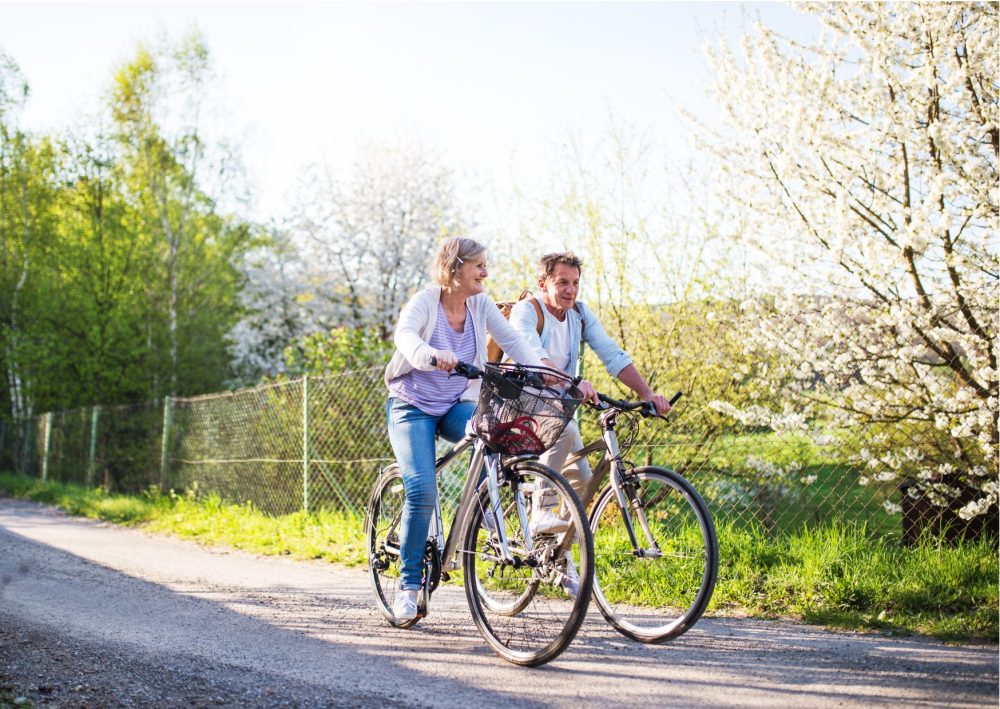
x,y
96,615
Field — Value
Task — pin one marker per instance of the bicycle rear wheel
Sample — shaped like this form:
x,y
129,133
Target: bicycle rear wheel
x,y
520,605
382,540
659,593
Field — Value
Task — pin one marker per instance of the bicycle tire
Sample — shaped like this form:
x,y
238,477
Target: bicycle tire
x,y
653,599
548,618
385,506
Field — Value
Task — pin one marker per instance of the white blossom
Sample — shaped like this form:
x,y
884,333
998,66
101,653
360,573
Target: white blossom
x,y
867,163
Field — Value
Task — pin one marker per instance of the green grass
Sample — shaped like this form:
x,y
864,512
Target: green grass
x,y
837,575
842,576
327,535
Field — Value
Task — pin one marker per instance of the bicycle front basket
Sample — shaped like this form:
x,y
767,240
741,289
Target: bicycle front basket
x,y
514,418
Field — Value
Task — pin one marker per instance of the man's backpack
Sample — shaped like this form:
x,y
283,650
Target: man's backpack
x,y
494,352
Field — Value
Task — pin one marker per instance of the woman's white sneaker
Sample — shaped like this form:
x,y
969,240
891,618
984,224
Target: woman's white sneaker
x,y
405,606
571,579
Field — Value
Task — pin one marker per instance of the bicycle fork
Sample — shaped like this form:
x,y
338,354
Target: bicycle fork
x,y
493,519
628,501
451,558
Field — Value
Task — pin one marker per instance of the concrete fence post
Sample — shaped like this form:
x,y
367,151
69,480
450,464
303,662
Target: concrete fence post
x,y
95,413
47,442
168,416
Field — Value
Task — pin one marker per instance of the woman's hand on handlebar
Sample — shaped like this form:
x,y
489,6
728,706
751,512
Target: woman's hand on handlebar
x,y
444,360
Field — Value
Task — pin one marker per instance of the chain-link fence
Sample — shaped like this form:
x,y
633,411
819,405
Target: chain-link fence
x,y
773,444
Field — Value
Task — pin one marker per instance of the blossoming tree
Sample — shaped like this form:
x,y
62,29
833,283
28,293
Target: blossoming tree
x,y
867,167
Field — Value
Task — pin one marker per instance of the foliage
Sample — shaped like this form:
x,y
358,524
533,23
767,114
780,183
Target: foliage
x,y
867,166
27,187
356,248
117,278
172,176
340,350
278,309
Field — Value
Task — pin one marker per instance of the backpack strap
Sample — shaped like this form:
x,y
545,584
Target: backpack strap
x,y
541,318
538,314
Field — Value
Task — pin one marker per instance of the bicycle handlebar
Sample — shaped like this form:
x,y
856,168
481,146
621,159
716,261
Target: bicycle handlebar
x,y
531,376
646,408
463,369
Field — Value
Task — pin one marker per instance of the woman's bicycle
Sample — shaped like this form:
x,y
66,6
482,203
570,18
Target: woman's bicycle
x,y
656,552
511,573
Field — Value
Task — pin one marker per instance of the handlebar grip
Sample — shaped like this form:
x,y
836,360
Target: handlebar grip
x,y
535,380
675,397
434,361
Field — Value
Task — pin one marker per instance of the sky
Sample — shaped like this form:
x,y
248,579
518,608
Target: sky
x,y
491,86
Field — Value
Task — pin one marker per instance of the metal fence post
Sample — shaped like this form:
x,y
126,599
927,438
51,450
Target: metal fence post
x,y
95,412
168,416
3,431
45,446
305,443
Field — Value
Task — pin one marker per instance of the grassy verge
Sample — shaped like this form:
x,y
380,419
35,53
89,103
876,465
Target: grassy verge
x,y
330,536
844,577
838,576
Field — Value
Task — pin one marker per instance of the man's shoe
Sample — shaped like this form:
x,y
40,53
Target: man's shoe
x,y
547,522
571,579
405,607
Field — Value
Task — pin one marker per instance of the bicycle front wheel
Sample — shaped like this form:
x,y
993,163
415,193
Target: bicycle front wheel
x,y
382,541
656,592
528,607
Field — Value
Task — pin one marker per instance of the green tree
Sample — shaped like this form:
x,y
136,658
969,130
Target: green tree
x,y
174,177
27,191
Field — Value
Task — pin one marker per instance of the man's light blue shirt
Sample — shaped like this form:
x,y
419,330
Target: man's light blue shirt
x,y
524,318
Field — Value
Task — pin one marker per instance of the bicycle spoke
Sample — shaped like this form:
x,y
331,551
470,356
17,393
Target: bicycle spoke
x,y
382,530
519,603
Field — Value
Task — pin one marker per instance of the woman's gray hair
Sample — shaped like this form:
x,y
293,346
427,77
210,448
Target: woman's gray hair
x,y
451,255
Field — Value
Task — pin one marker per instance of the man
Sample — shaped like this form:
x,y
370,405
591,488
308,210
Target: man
x,y
565,323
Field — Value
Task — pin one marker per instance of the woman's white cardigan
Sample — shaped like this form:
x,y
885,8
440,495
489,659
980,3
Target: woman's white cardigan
x,y
417,322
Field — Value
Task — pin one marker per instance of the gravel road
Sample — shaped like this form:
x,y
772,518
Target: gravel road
x,y
94,615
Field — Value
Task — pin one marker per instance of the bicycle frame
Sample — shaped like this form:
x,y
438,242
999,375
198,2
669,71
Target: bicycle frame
x,y
611,465
447,545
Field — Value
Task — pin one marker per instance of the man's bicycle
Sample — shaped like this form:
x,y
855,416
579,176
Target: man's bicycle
x,y
655,547
512,576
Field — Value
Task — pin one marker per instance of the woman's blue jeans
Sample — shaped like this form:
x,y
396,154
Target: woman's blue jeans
x,y
412,433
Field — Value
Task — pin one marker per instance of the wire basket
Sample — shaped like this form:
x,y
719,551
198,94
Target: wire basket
x,y
515,417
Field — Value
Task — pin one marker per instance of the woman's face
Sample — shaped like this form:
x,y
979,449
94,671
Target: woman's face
x,y
559,290
470,275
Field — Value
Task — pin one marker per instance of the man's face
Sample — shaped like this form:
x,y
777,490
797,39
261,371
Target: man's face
x,y
561,288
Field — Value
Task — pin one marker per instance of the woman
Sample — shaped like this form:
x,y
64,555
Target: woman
x,y
448,323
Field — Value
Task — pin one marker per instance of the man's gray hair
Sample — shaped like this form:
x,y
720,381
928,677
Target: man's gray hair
x,y
547,263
